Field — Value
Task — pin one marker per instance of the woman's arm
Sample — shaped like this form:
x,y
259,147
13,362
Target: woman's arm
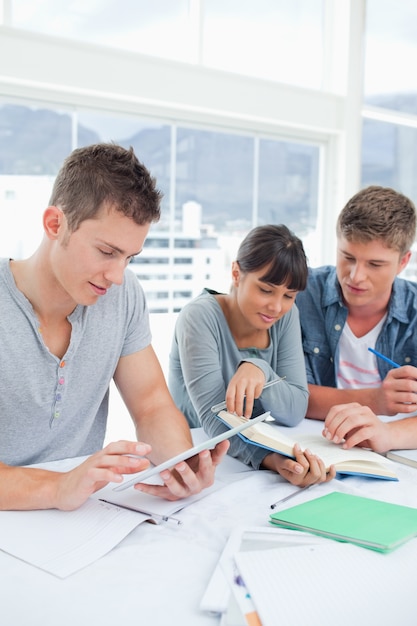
x,y
287,401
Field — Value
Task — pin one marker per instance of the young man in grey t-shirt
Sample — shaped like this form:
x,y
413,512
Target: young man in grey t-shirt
x,y
71,319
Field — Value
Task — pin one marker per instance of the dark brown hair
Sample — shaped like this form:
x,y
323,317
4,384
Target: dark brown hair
x,y
279,251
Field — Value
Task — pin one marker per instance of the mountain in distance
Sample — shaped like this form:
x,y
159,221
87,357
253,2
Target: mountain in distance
x,y
210,165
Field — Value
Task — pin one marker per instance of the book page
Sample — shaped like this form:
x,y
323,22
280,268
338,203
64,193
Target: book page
x,y
276,438
332,453
330,583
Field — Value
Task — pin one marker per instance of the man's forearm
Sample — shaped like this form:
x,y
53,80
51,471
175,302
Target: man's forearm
x,y
166,430
403,434
322,399
26,488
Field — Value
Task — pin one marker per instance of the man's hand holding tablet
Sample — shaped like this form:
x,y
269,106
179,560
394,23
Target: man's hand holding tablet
x,y
183,456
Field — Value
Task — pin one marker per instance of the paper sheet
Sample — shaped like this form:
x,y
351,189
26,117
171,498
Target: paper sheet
x,y
223,581
331,583
62,542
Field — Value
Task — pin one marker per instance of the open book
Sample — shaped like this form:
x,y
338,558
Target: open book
x,y
355,461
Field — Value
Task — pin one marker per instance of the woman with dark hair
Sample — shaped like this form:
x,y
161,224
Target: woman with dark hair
x,y
228,346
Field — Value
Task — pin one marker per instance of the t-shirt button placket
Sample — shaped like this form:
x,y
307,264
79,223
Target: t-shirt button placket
x,y
58,395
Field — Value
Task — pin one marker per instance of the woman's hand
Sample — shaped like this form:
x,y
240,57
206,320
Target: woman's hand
x,y
243,388
307,468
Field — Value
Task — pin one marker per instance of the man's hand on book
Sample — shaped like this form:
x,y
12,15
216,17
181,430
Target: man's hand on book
x,y
353,424
306,469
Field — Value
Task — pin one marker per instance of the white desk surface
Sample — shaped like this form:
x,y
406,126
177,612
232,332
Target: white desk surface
x,y
158,574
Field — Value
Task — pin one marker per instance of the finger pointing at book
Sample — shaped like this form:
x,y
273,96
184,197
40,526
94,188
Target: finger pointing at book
x,y
245,386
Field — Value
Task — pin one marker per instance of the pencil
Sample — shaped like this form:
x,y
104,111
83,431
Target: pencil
x,y
384,358
294,493
155,516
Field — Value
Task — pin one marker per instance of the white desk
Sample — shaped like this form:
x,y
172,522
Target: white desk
x,y
158,574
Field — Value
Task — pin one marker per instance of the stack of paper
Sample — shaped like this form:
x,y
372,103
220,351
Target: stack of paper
x,y
226,593
330,583
270,576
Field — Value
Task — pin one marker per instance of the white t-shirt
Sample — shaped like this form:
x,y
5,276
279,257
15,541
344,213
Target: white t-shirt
x,y
356,366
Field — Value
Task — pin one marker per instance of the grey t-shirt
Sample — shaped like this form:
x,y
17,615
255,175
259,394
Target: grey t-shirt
x,y
53,408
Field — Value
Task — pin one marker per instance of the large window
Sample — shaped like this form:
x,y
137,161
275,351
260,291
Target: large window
x,y
389,134
215,169
217,186
34,142
151,141
389,153
288,184
246,113
389,156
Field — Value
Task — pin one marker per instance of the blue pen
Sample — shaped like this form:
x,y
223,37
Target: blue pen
x,y
385,358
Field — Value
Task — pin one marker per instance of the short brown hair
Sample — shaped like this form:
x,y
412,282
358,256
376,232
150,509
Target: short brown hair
x,y
379,213
108,175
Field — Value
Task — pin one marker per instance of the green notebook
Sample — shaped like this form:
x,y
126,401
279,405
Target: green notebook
x,y
363,521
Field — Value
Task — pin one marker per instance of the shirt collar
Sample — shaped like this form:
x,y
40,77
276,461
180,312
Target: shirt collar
x,y
397,306
332,291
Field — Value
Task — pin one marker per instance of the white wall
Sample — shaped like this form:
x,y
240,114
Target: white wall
x,y
120,425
